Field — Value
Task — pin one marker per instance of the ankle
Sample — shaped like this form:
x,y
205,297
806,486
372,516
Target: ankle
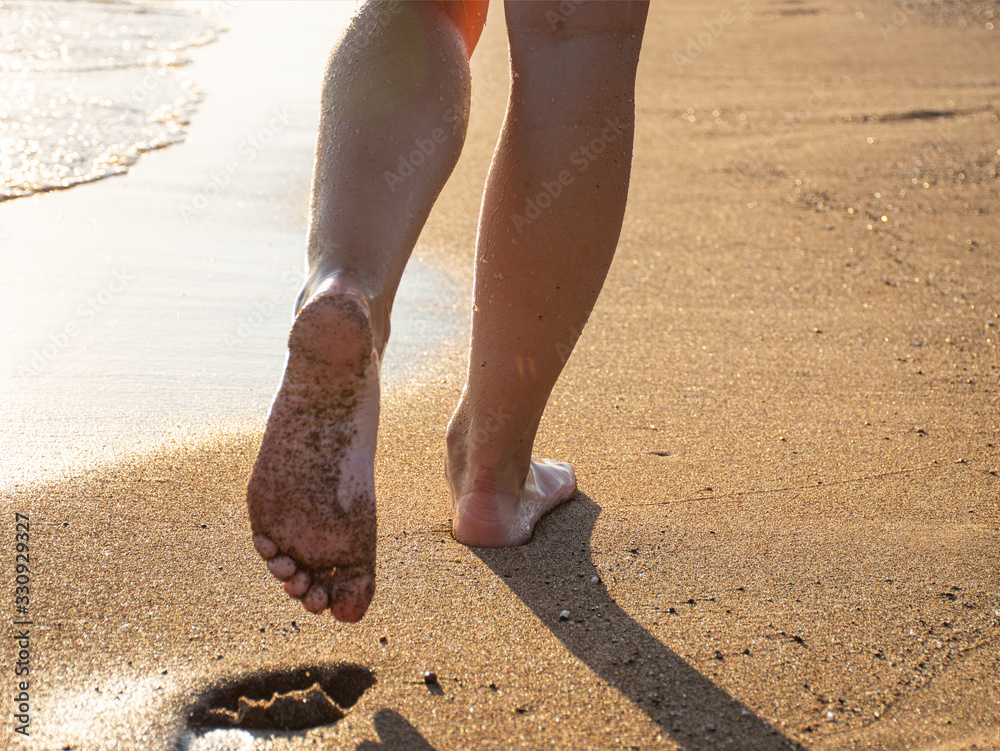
x,y
480,457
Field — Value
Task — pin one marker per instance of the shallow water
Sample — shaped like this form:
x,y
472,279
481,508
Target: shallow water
x,y
87,87
128,321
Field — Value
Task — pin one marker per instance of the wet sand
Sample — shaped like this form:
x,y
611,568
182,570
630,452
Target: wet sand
x,y
783,417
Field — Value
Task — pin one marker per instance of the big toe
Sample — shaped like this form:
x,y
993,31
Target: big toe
x,y
351,589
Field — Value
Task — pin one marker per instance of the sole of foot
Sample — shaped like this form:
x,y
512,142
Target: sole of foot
x,y
484,518
311,495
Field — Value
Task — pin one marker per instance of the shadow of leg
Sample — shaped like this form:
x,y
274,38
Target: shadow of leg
x,y
692,710
395,733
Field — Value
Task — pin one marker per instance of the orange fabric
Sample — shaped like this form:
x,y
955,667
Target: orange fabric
x,y
469,16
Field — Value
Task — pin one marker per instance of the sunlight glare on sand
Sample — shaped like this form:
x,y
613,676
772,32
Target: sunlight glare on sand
x,y
126,324
224,739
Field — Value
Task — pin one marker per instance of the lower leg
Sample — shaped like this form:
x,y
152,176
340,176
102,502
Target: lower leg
x,y
394,113
551,217
393,119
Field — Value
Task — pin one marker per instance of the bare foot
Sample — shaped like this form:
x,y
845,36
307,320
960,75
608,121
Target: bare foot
x,y
311,496
492,509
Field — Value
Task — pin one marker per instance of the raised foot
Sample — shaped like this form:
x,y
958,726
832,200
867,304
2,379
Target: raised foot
x,y
484,516
311,496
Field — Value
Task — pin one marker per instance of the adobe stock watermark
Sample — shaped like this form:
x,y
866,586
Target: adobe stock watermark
x,y
698,44
32,24
248,150
900,16
386,11
584,155
58,340
424,148
566,9
137,95
802,115
219,9
495,419
263,310
565,348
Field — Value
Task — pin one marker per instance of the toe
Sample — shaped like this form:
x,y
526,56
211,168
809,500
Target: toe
x,y
569,478
553,481
298,585
315,599
265,546
282,567
351,591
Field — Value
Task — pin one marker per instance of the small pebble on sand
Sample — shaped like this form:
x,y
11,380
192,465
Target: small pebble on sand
x,y
430,678
564,615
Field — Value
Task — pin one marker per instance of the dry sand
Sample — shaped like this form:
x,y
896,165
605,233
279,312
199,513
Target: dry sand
x,y
783,415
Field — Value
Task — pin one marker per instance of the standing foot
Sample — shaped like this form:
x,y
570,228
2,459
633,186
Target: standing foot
x,y
500,508
311,496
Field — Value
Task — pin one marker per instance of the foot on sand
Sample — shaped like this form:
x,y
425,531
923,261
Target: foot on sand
x,y
492,509
311,495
